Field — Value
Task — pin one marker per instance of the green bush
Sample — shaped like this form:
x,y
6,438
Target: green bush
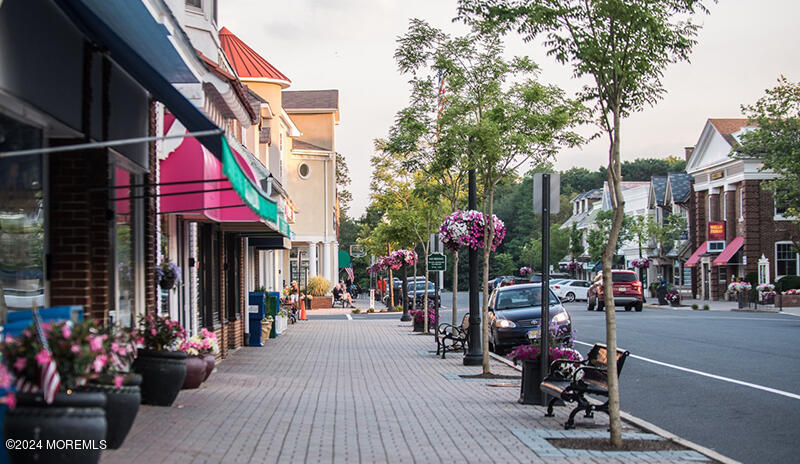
x,y
371,310
355,311
787,283
397,309
318,286
694,306
706,307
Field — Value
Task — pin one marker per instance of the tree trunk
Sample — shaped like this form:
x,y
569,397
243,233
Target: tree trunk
x,y
455,288
618,205
425,297
487,250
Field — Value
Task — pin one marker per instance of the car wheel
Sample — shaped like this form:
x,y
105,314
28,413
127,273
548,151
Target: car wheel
x,y
570,297
638,307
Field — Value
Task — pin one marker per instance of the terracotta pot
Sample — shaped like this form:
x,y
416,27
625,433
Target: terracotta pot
x,y
210,362
122,405
163,373
195,372
76,416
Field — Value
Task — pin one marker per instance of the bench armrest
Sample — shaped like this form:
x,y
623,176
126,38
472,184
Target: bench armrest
x,y
554,365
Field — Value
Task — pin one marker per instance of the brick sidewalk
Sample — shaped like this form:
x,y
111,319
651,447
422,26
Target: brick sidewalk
x,y
353,391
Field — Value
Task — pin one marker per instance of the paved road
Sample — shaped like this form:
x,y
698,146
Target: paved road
x,y
726,380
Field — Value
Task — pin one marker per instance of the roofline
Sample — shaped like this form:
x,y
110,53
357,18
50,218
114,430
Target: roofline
x,y
267,80
293,130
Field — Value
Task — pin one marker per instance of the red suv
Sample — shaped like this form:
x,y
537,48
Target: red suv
x,y
627,291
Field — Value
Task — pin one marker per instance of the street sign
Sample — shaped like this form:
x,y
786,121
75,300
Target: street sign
x,y
437,262
555,192
435,244
357,251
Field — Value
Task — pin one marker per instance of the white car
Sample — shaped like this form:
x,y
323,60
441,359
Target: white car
x,y
571,290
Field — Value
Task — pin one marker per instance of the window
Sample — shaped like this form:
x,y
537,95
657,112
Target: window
x,y
195,4
741,203
304,170
128,256
786,259
780,210
22,214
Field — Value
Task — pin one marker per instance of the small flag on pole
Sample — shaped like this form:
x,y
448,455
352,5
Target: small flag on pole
x,y
49,380
350,274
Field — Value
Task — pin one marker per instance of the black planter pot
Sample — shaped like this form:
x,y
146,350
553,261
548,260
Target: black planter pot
x,y
419,326
77,416
122,405
529,392
163,373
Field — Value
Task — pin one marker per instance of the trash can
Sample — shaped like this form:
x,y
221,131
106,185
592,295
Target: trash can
x,y
273,309
257,299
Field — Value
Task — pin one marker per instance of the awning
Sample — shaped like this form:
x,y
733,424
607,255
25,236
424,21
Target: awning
x,y
142,46
692,261
729,251
344,259
270,243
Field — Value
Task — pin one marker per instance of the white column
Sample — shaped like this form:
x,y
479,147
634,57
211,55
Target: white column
x,y
336,259
312,259
326,261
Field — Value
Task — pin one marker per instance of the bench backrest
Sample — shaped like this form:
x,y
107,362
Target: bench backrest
x,y
598,357
465,322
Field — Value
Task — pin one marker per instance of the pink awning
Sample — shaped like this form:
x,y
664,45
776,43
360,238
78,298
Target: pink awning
x,y
692,261
729,251
191,162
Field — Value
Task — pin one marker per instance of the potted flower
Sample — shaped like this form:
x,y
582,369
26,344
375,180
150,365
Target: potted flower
x,y
466,228
195,365
266,326
209,349
49,404
673,297
528,355
740,291
641,263
160,362
573,267
418,316
767,293
168,274
525,271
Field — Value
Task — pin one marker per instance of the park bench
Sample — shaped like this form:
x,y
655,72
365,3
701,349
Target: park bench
x,y
593,382
457,336
338,300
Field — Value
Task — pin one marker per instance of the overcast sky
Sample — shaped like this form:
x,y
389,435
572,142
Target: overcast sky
x,y
349,45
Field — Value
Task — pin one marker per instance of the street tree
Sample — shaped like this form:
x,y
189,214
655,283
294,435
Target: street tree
x,y
575,242
776,143
623,48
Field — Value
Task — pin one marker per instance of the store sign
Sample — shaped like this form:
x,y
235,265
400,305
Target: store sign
x,y
717,175
716,231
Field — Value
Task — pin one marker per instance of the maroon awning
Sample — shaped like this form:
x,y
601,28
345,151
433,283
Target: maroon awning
x,y
729,251
692,261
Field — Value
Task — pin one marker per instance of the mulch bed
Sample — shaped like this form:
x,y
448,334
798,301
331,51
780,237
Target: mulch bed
x,y
603,444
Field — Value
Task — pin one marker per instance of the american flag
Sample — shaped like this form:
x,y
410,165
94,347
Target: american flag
x,y
49,380
350,275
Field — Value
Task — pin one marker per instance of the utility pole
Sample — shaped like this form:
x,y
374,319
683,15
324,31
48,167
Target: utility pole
x,y
474,356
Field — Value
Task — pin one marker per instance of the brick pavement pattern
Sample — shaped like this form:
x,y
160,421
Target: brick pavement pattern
x,y
348,391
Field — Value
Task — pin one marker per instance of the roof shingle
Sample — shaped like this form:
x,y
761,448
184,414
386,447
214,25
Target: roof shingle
x,y
310,100
246,62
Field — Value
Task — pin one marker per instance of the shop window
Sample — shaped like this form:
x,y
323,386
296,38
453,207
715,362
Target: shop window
x,y
786,259
128,255
22,219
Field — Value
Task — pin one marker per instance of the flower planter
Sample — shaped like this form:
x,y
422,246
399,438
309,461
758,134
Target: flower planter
x,y
195,372
75,416
163,373
529,392
419,326
788,301
122,405
266,328
321,302
211,361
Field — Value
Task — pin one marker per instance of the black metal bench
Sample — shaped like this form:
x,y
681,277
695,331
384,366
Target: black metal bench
x,y
458,337
593,382
338,300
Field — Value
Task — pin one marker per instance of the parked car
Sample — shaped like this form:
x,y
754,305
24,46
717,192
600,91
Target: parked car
x,y
536,278
627,291
420,292
514,316
494,283
570,290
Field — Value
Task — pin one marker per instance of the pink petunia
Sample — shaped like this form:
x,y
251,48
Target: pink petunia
x,y
43,357
153,332
118,379
96,344
75,348
9,400
19,364
115,347
66,331
99,363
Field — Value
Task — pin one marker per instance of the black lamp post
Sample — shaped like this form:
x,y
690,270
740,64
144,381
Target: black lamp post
x,y
474,356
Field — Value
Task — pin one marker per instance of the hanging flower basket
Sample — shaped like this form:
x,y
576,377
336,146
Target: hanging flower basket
x,y
641,263
466,228
525,271
168,274
573,266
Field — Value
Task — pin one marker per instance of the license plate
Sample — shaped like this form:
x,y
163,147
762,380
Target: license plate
x,y
623,289
533,334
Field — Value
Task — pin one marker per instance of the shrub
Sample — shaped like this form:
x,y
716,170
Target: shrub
x,y
397,309
706,307
371,310
694,306
318,286
356,311
787,283
752,278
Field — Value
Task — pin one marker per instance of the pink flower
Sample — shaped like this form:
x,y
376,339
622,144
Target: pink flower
x,y
99,363
118,379
153,332
75,348
10,400
123,351
19,364
96,344
66,332
115,347
43,357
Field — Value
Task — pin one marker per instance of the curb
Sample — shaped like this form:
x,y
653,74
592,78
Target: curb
x,y
647,426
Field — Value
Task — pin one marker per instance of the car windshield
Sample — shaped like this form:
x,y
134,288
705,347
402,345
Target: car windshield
x,y
623,277
421,287
522,298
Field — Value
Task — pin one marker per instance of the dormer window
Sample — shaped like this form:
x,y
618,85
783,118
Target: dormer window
x,y
197,4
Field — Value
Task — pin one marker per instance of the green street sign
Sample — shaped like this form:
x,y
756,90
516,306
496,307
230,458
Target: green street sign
x,y
437,262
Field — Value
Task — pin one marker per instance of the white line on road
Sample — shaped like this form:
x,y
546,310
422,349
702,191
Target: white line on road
x,y
349,317
713,376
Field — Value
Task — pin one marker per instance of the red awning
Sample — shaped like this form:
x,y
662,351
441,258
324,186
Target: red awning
x,y
729,251
696,255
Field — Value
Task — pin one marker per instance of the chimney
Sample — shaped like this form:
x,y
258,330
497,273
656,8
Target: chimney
x,y
688,152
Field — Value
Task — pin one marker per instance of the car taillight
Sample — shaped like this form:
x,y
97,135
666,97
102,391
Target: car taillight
x,y
557,286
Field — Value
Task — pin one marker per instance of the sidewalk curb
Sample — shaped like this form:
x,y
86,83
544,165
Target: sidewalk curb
x,y
649,427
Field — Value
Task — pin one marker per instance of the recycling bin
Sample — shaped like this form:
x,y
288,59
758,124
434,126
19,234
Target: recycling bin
x,y
258,303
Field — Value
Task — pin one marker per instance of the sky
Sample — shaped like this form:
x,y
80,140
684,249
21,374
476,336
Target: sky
x,y
349,45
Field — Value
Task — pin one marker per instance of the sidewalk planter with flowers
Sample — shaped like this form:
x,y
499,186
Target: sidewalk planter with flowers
x,y
741,292
418,316
673,297
197,348
77,355
790,298
766,293
266,327
528,355
160,363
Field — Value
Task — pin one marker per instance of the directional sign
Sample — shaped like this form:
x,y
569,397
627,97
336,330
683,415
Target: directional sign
x,y
555,192
437,262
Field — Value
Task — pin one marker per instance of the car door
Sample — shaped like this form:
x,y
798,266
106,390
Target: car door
x,y
581,289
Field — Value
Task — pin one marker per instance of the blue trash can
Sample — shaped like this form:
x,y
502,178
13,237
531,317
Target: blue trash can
x,y
254,318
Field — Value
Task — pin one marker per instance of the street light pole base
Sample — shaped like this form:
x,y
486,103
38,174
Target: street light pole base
x,y
473,360
405,317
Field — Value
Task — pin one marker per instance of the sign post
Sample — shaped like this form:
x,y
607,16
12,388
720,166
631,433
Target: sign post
x,y
437,262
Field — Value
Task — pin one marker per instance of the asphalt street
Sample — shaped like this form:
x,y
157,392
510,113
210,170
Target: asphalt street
x,y
729,381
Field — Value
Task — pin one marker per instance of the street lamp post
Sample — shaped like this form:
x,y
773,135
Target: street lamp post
x,y
474,356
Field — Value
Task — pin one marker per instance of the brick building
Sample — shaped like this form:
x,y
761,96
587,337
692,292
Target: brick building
x,y
735,221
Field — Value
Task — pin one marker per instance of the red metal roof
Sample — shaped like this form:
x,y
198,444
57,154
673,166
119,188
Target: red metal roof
x,y
692,261
729,251
247,63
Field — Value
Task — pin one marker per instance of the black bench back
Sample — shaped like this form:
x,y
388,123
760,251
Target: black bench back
x,y
465,322
598,357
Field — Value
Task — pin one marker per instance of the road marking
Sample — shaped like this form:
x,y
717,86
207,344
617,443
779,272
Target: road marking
x,y
713,376
349,317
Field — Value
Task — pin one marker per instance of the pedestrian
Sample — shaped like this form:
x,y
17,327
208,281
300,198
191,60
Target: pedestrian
x,y
294,294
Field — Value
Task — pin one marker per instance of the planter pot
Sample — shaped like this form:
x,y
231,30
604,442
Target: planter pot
x,y
77,416
321,302
529,392
195,372
419,326
211,361
163,373
788,301
166,284
122,405
266,328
